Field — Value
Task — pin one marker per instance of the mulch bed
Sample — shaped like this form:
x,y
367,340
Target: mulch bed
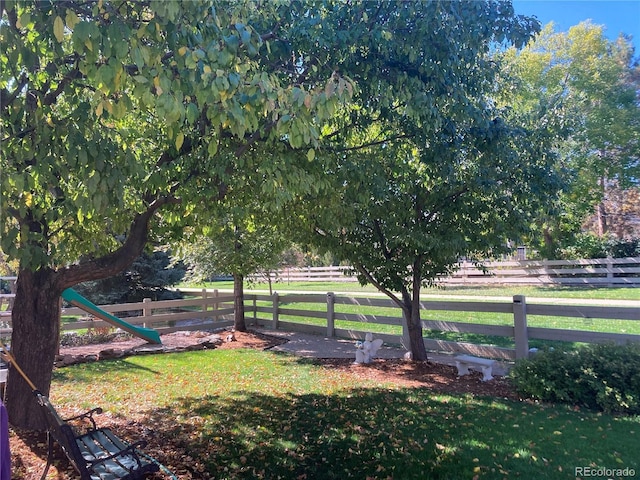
x,y
29,449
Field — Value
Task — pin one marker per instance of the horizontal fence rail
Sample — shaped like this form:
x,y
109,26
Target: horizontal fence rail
x,y
319,314
351,317
599,271
206,310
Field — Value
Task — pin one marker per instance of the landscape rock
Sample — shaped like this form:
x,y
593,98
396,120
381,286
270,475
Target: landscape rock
x,y
172,342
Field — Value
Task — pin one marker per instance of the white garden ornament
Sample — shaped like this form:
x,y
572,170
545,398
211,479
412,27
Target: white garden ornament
x,y
366,351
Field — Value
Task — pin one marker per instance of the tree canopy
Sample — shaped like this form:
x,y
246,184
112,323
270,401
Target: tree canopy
x,y
583,88
167,84
113,113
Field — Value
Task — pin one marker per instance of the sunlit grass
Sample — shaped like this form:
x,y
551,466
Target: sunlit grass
x,y
602,293
477,318
474,293
253,414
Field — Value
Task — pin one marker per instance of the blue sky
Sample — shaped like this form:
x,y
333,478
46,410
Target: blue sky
x,y
616,15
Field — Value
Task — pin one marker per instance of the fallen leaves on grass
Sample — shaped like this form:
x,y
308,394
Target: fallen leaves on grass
x,y
194,448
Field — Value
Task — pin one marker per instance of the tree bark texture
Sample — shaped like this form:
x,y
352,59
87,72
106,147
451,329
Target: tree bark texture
x,y
414,325
238,303
34,344
411,312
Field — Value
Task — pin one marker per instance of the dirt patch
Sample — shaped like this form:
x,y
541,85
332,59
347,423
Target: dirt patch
x,y
29,449
434,376
181,340
171,343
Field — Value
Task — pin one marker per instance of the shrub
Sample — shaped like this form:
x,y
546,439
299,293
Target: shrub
x,y
600,377
621,248
586,245
589,245
91,337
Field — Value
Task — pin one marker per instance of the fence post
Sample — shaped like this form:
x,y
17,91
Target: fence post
x,y
146,311
203,295
275,310
331,330
610,271
215,305
255,311
520,326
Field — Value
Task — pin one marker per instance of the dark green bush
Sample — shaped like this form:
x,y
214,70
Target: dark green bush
x,y
589,245
621,248
586,245
599,377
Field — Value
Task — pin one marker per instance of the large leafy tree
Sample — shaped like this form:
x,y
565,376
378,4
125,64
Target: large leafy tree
x,y
582,87
112,112
242,237
433,170
404,215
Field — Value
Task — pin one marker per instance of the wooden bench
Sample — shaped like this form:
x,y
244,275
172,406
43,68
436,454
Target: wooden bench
x,y
464,362
96,453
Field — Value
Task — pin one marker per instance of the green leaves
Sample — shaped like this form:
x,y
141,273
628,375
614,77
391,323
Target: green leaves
x,y
311,154
58,29
574,88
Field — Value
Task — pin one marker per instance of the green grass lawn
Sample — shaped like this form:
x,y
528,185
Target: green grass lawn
x,y
471,317
603,293
473,293
243,414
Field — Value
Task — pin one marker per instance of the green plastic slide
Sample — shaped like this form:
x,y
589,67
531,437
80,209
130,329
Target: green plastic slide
x,y
79,301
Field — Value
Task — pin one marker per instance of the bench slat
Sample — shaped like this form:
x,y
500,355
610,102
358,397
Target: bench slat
x,y
90,451
476,360
103,443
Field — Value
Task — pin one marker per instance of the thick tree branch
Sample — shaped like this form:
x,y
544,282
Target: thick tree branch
x,y
51,97
365,273
388,254
7,98
118,260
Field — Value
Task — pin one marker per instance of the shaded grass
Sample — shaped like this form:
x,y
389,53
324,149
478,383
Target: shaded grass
x,y
253,414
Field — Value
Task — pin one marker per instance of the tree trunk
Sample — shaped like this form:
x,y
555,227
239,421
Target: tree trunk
x,y
549,243
602,219
34,344
411,312
35,318
416,341
601,210
238,303
410,305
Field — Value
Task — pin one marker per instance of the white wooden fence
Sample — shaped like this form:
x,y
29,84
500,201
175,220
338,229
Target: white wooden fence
x,y
598,272
281,316
320,314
